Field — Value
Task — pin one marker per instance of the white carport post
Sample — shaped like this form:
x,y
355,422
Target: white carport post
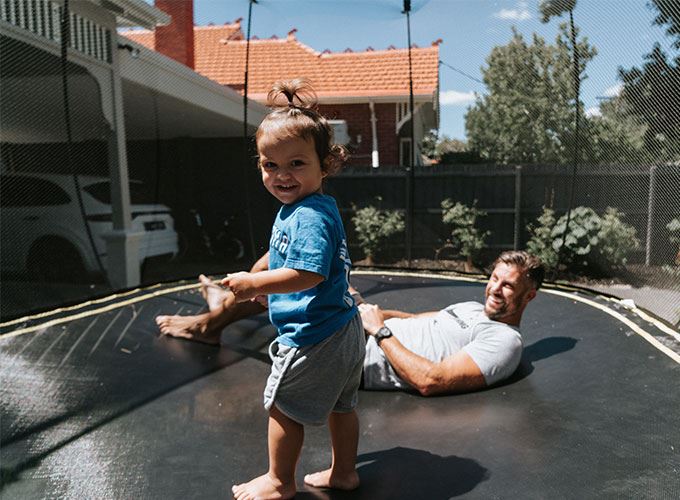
x,y
122,244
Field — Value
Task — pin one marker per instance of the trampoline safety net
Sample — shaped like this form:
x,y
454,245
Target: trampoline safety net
x,y
126,160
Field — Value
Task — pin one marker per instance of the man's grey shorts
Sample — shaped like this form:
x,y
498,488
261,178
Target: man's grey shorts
x,y
308,383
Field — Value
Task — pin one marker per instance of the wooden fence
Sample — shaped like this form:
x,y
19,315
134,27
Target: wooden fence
x,y
514,197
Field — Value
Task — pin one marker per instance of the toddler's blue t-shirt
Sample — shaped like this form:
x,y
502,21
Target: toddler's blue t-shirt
x,y
309,236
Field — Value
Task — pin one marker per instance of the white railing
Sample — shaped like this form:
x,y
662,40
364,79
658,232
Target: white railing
x,y
43,18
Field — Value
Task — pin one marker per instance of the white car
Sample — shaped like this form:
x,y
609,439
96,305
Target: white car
x,y
43,228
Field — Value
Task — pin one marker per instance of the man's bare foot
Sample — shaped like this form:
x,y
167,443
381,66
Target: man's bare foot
x,y
329,479
263,488
188,327
213,294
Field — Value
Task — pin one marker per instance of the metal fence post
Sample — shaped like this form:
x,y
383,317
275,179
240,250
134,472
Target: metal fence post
x,y
651,202
518,204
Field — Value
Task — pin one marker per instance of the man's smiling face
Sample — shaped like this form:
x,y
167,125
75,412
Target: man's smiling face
x,y
507,294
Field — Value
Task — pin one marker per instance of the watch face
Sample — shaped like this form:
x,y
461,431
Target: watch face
x,y
383,333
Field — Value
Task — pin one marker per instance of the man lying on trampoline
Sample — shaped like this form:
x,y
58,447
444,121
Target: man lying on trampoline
x,y
464,347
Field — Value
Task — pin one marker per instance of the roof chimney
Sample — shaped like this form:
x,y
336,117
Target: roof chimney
x,y
176,40
291,34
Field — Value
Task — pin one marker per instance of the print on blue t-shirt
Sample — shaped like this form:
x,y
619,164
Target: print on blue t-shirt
x,y
309,236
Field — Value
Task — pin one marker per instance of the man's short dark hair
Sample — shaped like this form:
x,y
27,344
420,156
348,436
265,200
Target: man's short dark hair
x,y
530,265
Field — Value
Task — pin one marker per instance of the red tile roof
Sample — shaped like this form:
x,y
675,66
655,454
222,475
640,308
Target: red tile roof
x,y
220,55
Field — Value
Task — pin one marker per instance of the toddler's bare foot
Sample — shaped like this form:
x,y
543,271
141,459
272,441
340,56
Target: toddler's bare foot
x,y
213,294
188,327
263,488
330,479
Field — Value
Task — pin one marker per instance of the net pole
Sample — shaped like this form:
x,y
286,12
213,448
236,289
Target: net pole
x,y
577,118
246,149
410,171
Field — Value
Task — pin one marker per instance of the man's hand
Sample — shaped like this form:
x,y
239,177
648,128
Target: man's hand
x,y
263,300
372,318
242,286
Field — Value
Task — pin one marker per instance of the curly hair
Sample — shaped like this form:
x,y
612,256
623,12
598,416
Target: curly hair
x,y
294,114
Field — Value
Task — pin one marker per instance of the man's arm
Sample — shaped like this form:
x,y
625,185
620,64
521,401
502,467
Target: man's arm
x,y
456,373
394,313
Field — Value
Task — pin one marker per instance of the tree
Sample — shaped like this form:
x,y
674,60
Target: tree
x,y
668,14
616,135
527,116
652,92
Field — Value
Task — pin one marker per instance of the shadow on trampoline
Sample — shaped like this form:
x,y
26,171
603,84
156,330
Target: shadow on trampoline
x,y
539,350
409,473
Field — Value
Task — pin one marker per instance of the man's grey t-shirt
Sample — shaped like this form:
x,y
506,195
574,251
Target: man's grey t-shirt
x,y
495,347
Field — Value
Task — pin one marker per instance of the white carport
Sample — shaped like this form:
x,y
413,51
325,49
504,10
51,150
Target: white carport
x,y
193,102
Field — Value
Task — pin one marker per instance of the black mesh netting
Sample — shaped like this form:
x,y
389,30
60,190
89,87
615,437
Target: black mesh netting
x,y
119,169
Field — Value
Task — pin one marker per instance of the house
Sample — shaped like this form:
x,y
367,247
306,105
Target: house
x,y
365,93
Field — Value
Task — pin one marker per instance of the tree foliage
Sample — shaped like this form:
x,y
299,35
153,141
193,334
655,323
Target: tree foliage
x,y
527,116
652,92
616,135
668,15
554,8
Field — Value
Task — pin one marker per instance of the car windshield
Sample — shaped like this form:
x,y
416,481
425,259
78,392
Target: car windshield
x,y
101,191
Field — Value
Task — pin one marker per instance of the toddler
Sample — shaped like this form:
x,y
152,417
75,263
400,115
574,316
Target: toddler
x,y
318,354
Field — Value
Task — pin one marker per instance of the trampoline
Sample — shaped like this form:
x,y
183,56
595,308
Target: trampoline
x,y
97,405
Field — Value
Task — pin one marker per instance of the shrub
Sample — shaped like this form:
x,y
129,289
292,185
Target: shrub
x,y
617,239
465,237
594,244
541,242
374,227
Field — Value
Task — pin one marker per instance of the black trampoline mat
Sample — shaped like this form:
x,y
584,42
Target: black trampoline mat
x,y
100,406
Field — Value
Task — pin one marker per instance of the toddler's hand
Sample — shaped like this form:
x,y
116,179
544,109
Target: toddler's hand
x,y
242,286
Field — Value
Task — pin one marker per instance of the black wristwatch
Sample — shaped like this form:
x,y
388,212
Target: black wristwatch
x,y
382,333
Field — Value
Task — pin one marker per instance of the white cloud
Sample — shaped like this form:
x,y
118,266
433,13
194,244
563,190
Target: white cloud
x,y
455,98
594,111
614,90
519,13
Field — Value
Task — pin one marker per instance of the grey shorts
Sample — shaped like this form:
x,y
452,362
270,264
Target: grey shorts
x,y
308,383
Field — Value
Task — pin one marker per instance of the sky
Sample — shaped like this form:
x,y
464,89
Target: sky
x,y
621,31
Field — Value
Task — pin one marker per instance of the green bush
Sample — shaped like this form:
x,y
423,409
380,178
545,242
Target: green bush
x,y
617,239
541,242
594,244
465,237
374,227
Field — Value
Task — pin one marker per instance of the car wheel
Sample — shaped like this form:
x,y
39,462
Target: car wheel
x,y
55,259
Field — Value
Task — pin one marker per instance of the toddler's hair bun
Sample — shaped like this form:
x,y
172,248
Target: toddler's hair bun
x,y
297,93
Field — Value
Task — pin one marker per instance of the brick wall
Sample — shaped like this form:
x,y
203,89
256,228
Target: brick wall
x,y
358,117
176,40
